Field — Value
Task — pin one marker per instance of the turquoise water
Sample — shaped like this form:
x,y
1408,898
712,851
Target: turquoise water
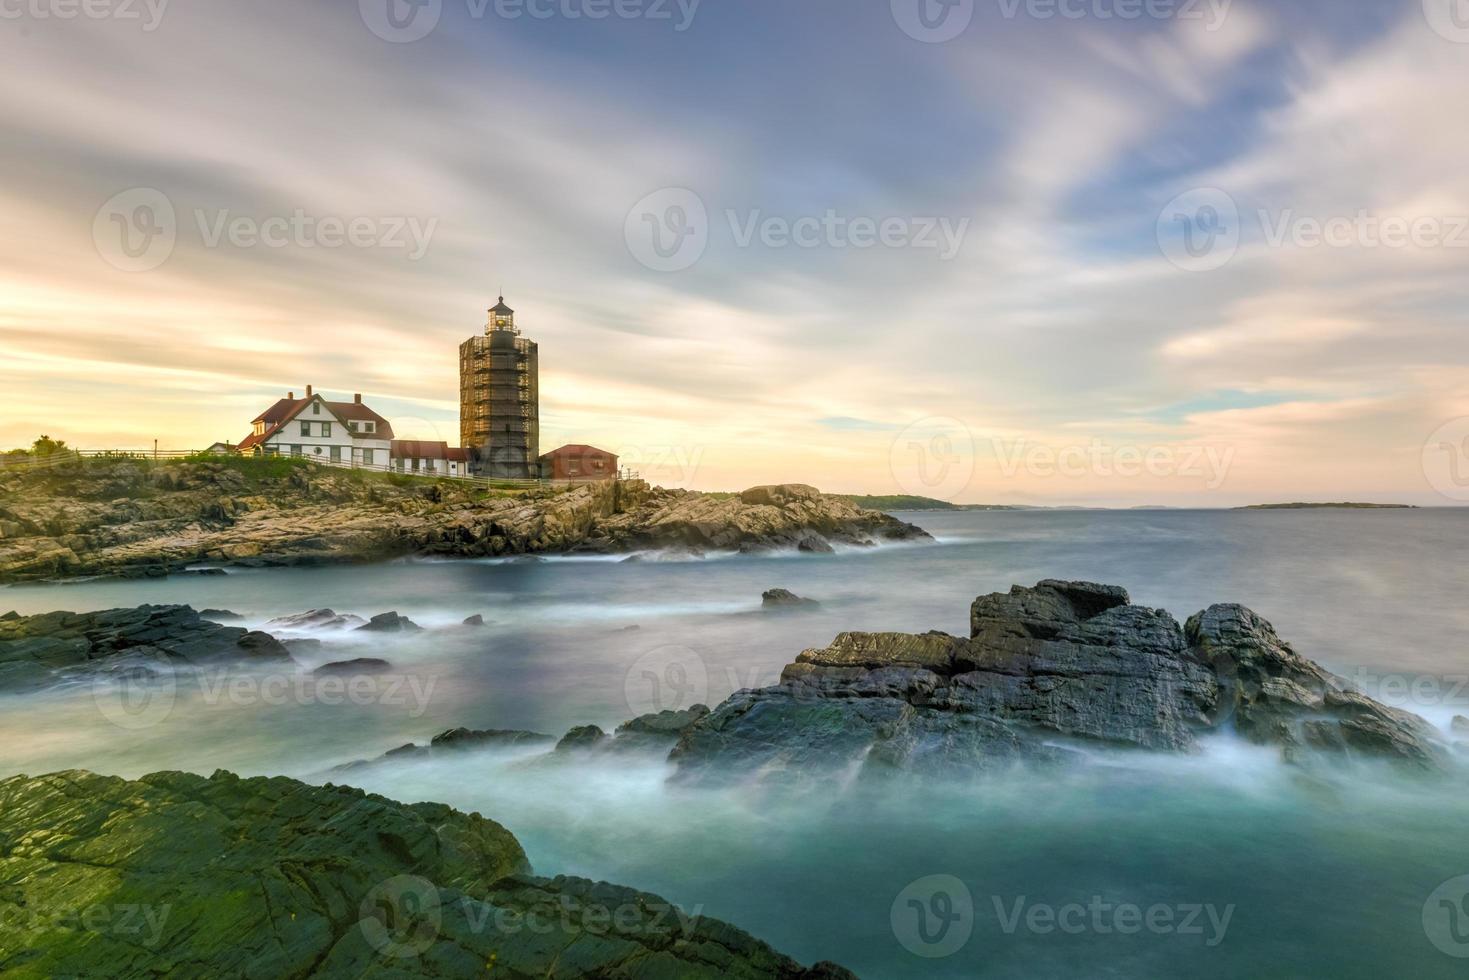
x,y
1245,867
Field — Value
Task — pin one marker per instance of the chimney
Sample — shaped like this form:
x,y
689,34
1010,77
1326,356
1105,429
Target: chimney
x,y
357,398
308,391
291,395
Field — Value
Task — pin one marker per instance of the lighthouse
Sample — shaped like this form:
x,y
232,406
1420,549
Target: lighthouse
x,y
499,399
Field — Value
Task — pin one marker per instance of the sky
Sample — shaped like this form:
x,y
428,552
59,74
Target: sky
x,y
1107,252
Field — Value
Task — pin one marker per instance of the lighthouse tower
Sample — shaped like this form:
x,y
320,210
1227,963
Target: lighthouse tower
x,y
499,399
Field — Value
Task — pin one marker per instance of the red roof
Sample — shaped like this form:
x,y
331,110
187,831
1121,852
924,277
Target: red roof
x,y
577,449
277,415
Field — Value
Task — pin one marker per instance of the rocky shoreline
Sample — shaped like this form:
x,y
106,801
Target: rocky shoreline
x,y
176,874
126,517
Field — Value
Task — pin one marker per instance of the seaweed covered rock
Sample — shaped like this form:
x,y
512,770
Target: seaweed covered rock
x,y
178,875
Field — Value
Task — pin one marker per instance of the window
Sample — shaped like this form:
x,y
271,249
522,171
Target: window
x,y
351,426
326,430
295,450
367,457
306,428
369,426
336,456
431,466
316,408
415,465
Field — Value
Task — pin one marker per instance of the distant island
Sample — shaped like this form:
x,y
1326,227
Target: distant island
x,y
903,501
1346,506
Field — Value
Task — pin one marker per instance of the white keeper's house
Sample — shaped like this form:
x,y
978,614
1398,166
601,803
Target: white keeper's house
x,y
345,433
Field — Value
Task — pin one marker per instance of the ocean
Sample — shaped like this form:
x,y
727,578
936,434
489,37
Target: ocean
x,y
1227,863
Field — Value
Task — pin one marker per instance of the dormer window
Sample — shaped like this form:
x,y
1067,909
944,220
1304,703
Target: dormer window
x,y
369,426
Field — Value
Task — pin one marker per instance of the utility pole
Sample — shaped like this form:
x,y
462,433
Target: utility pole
x,y
155,450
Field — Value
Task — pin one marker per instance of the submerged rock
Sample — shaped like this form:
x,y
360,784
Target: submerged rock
x,y
475,620
362,665
390,622
1046,671
581,738
316,619
39,650
220,615
785,599
274,878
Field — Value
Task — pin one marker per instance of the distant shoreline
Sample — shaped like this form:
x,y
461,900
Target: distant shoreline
x,y
1341,506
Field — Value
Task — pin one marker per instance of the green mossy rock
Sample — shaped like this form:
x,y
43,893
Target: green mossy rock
x,y
178,875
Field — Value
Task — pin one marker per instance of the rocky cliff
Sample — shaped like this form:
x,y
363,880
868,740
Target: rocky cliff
x,y
178,875
130,517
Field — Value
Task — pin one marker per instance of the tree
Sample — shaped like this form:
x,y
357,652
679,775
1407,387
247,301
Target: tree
x,y
46,446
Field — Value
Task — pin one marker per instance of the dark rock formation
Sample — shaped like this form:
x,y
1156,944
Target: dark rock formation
x,y
475,620
39,650
1045,671
456,740
581,738
220,615
390,622
316,619
785,599
361,665
273,878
